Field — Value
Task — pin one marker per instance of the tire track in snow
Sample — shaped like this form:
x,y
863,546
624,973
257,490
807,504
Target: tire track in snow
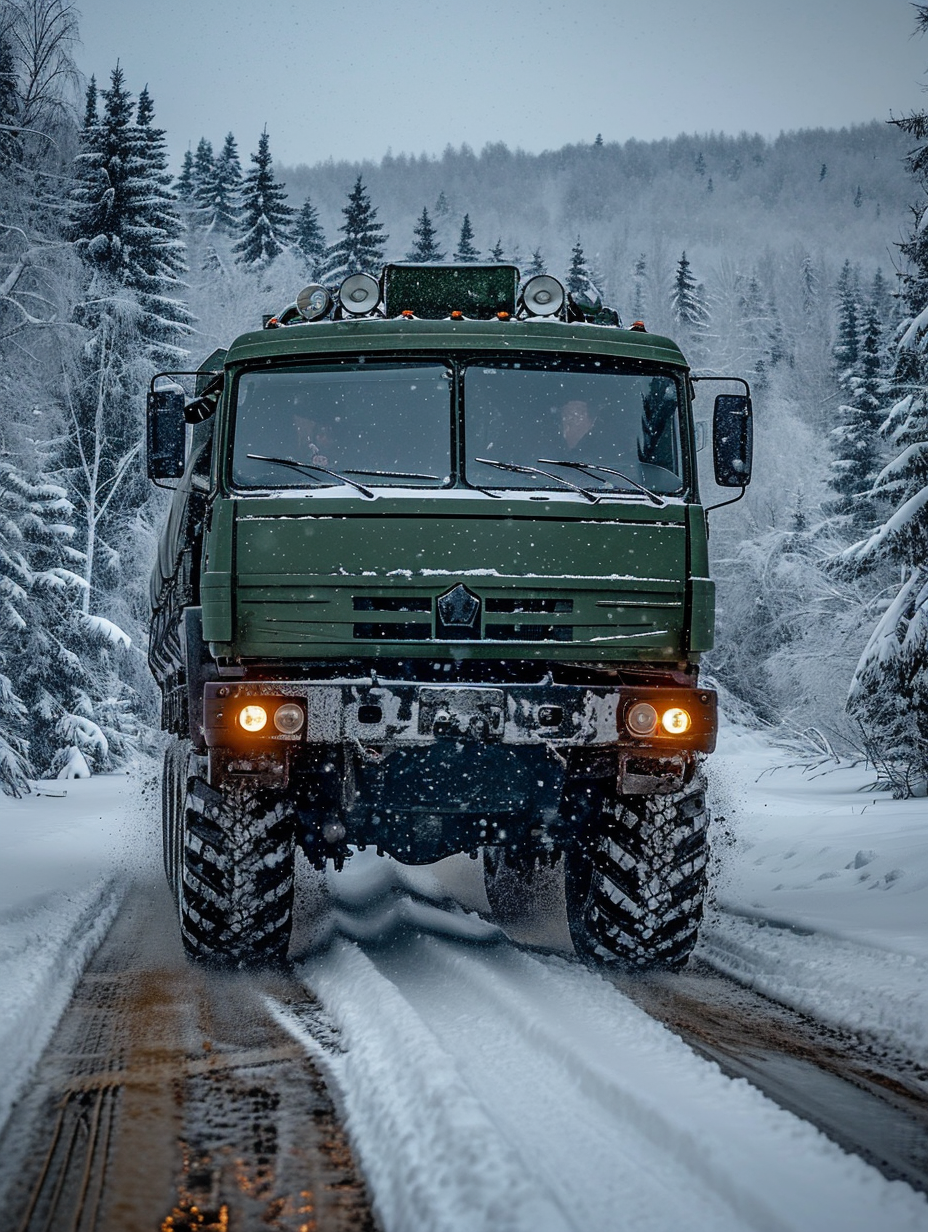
x,y
490,1088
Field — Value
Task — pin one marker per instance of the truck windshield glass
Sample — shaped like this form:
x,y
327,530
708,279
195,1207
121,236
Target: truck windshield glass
x,y
387,424
579,415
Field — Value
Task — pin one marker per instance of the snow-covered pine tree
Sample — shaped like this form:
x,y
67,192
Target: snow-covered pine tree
x,y
310,238
219,194
361,248
158,251
425,246
889,692
856,444
185,184
640,294
267,224
687,302
203,166
578,279
9,101
496,252
537,264
847,341
466,252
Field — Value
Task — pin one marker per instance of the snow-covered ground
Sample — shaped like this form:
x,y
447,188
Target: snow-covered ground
x,y
67,852
823,890
489,1087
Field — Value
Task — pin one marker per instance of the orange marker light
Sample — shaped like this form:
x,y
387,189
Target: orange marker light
x,y
407,313
457,316
639,326
503,316
252,718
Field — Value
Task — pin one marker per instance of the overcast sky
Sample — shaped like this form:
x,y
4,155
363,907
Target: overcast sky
x,y
352,79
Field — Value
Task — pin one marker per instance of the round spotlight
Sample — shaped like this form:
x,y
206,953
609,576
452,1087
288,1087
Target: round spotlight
x,y
641,719
543,296
313,302
252,718
675,721
288,718
359,294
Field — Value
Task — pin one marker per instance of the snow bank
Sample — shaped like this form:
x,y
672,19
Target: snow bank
x,y
66,854
820,892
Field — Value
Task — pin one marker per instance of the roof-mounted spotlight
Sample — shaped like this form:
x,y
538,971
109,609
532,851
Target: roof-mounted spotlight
x,y
543,296
359,294
313,302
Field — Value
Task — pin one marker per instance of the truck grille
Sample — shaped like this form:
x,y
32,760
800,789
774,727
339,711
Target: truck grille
x,y
393,632
557,606
529,633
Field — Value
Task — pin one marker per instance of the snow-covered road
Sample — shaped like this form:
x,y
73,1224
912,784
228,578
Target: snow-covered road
x,y
488,1086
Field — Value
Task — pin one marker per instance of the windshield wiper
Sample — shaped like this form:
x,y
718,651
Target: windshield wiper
x,y
313,466
393,474
533,470
590,467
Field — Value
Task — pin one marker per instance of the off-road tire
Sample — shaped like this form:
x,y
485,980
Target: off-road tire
x,y
635,890
235,892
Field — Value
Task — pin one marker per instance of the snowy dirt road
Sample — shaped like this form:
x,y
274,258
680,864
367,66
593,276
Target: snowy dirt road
x,y
477,1084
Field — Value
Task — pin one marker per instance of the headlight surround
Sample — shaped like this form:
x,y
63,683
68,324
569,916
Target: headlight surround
x,y
641,719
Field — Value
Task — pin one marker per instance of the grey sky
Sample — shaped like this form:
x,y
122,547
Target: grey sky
x,y
350,79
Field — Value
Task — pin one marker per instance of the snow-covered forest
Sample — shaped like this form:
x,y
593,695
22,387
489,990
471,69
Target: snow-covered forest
x,y
800,263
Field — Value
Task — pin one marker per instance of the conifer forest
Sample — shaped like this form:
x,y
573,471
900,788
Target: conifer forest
x,y
800,263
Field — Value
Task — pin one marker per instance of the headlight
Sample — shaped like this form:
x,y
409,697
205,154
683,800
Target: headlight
x,y
641,719
676,721
288,718
313,302
252,718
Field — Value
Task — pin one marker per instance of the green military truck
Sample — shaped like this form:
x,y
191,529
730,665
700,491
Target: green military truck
x,y
434,579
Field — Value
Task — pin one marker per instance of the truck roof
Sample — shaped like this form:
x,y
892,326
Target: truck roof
x,y
401,333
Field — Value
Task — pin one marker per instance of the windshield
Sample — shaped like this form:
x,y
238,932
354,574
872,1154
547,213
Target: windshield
x,y
584,416
382,423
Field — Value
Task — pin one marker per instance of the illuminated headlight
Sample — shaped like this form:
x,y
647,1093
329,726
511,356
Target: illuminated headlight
x,y
676,721
288,718
252,718
641,719
359,294
543,296
313,302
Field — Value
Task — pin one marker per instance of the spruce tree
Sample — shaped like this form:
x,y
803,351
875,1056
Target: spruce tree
x,y
537,264
889,693
640,300
203,162
219,194
579,281
9,102
185,185
496,252
687,300
266,218
425,247
847,343
361,248
465,253
159,253
310,238
858,454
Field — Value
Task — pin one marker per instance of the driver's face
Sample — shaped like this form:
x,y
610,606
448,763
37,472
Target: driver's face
x,y
576,421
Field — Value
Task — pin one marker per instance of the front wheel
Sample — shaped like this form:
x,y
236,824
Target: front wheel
x,y
635,887
235,888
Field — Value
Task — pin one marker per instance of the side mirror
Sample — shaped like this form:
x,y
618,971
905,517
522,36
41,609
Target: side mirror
x,y
732,440
167,433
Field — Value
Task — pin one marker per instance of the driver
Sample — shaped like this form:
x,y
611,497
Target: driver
x,y
577,421
314,439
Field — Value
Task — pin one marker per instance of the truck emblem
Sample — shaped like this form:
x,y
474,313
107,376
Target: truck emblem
x,y
458,608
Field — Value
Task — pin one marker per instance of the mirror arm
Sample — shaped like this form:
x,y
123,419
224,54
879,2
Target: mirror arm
x,y
721,505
